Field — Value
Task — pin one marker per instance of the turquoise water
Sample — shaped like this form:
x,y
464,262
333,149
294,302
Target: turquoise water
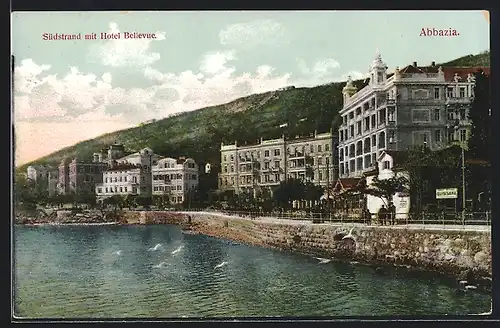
x,y
111,271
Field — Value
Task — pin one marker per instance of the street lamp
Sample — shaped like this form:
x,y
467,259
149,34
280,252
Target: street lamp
x,y
462,146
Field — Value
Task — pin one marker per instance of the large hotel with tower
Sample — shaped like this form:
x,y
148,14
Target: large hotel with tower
x,y
415,105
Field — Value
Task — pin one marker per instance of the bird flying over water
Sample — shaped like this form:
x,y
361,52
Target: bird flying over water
x,y
349,235
177,250
322,260
157,247
220,265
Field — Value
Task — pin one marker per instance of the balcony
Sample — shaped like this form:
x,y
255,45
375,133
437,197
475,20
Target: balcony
x,y
296,155
391,102
458,100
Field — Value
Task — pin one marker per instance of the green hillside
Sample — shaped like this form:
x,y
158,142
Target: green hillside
x,y
198,134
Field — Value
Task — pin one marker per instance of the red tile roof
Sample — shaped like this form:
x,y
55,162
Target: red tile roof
x,y
346,183
449,72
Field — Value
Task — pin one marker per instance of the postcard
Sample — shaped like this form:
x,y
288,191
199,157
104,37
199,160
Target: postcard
x,y
253,164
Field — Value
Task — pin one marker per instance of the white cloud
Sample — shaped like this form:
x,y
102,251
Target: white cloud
x,y
251,34
355,75
126,52
320,68
215,62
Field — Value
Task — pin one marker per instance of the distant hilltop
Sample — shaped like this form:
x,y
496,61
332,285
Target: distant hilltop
x,y
199,133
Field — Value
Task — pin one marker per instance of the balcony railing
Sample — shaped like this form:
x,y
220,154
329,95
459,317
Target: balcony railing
x,y
457,100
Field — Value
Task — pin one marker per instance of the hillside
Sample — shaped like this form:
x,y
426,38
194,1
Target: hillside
x,y
198,134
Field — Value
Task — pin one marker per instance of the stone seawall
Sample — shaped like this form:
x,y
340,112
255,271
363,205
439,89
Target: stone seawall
x,y
153,217
462,254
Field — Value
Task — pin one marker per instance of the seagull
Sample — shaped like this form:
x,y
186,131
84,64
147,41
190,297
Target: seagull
x,y
177,250
157,247
463,282
349,235
470,287
160,265
119,252
220,265
322,260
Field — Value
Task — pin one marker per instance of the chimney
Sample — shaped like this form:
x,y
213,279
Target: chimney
x,y
433,64
414,64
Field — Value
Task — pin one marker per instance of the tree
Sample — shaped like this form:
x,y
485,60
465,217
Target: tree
x,y
288,191
130,200
312,192
161,201
385,189
480,116
144,201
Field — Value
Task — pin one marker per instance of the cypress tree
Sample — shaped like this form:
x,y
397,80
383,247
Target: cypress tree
x,y
480,117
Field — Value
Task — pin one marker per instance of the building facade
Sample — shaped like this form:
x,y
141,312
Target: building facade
x,y
79,177
413,106
266,164
175,178
38,173
123,179
127,175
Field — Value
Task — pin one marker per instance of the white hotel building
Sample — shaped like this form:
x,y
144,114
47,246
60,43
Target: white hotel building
x,y
175,178
128,175
414,106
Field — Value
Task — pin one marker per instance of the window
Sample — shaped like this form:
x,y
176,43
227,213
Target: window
x,y
276,152
380,77
312,147
320,175
276,177
437,115
320,161
232,168
437,135
232,158
351,130
358,128
99,190
367,123
436,93
266,153
341,137
121,189
374,121
451,114
463,135
225,168
386,165
266,165
374,141
449,92
319,148
462,92
327,147
107,190
276,164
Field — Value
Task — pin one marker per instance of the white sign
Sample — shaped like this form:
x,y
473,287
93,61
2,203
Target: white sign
x,y
448,193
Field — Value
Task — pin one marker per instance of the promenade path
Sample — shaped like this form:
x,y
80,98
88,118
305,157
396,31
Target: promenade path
x,y
412,226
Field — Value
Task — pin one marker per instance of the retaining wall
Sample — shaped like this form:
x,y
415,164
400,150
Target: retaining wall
x,y
464,254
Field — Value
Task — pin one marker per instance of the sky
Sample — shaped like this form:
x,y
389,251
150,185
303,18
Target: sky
x,y
68,91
